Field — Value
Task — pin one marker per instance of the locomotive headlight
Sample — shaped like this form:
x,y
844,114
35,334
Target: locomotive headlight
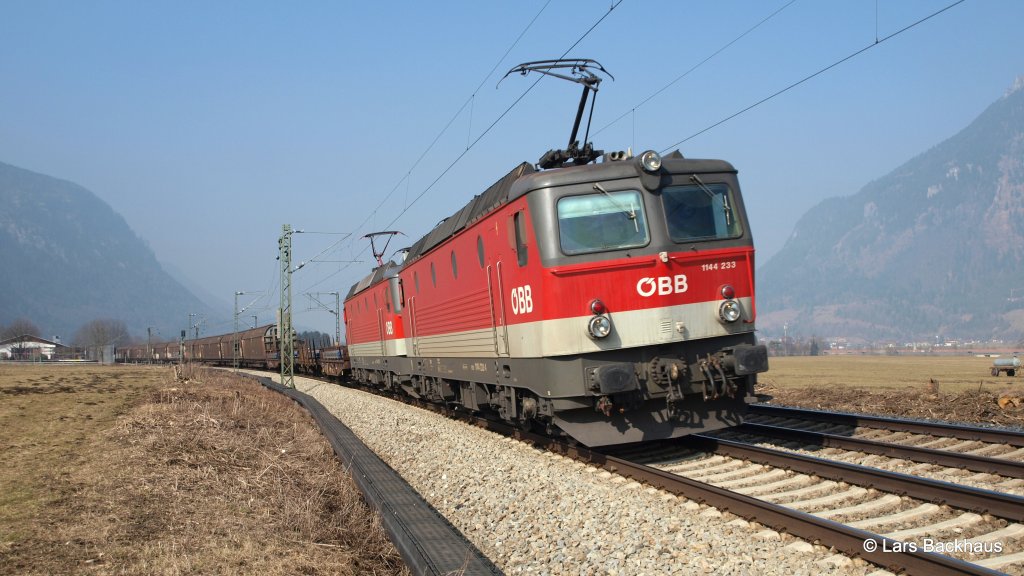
x,y
599,327
729,311
651,161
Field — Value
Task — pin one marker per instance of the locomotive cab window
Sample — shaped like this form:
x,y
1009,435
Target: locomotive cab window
x,y
602,221
519,226
700,212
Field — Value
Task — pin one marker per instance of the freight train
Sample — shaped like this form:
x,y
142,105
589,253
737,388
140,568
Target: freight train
x,y
611,302
252,348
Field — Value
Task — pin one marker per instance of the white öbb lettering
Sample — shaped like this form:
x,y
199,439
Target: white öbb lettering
x,y
662,285
522,300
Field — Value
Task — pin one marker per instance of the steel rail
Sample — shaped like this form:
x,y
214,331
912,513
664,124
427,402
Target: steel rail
x,y
851,541
1003,467
978,433
974,499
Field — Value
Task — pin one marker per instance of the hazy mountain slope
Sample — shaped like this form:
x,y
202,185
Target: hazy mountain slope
x,y
67,258
935,247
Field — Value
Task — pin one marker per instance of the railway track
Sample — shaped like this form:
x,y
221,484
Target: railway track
x,y
975,456
891,449
841,505
998,442
978,527
881,517
805,473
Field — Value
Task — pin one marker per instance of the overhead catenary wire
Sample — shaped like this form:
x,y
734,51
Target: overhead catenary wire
x,y
813,75
408,173
500,117
474,142
694,68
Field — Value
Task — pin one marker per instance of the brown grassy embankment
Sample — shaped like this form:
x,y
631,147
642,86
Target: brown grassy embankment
x,y
128,470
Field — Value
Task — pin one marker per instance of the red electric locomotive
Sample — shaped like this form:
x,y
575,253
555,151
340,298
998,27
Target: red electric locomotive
x,y
612,302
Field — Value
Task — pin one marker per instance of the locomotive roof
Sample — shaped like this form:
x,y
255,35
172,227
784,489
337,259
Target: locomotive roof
x,y
673,163
481,204
520,180
388,270
524,178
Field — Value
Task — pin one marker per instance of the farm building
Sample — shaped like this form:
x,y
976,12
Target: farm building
x,y
29,348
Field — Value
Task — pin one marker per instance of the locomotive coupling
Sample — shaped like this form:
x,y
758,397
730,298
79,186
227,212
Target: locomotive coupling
x,y
747,359
613,378
665,371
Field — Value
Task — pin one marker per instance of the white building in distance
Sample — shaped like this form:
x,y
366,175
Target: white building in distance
x,y
28,348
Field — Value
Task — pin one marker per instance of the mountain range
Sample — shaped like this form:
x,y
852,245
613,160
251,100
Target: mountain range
x,y
67,258
934,248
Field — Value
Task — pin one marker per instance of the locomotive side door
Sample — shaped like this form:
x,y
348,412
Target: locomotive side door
x,y
381,331
410,312
495,289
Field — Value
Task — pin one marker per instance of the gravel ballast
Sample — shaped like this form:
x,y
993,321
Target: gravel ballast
x,y
532,512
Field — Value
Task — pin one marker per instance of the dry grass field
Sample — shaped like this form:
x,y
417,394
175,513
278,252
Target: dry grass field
x,y
947,387
129,470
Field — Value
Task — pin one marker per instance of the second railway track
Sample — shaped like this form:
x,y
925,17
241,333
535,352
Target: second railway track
x,y
846,506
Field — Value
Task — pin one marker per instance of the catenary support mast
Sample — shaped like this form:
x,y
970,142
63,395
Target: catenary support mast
x,y
284,327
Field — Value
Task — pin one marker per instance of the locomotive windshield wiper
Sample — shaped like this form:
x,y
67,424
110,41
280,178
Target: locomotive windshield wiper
x,y
726,209
629,212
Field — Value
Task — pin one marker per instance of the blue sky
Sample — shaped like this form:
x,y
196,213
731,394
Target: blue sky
x,y
208,125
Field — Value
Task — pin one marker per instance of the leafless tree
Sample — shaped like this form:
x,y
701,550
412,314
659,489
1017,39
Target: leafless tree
x,y
20,331
20,327
97,334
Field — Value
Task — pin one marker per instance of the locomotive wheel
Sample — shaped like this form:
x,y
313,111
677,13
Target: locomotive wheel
x,y
1011,372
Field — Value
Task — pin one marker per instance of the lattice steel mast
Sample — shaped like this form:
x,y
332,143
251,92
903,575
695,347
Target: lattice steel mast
x,y
284,326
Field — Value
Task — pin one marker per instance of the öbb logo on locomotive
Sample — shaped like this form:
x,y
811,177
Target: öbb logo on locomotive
x,y
522,300
662,285
564,297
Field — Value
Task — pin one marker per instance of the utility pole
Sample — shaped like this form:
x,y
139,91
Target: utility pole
x,y
234,339
336,311
237,345
194,328
284,327
337,318
149,340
